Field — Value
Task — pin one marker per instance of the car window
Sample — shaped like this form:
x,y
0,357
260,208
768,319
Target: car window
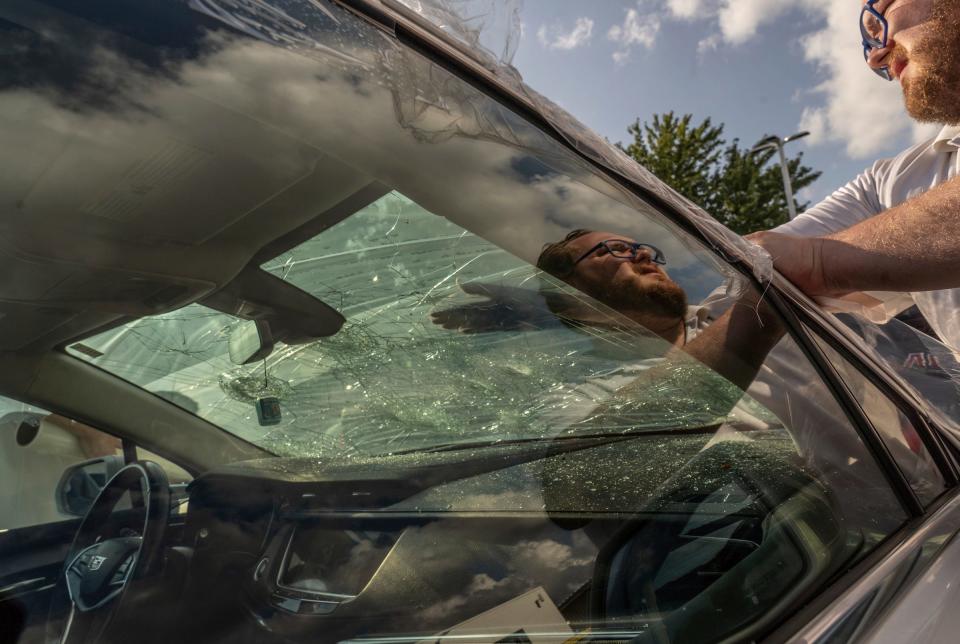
x,y
752,493
36,450
897,430
910,347
540,402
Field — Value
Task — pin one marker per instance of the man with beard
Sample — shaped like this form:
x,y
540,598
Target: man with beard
x,y
625,275
896,227
628,276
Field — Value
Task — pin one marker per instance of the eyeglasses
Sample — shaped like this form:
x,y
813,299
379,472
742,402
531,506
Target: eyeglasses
x,y
874,30
625,250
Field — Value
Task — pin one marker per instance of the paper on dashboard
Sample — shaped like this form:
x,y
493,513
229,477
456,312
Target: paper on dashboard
x,y
531,618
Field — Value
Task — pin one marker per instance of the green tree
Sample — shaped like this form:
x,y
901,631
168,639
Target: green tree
x,y
742,190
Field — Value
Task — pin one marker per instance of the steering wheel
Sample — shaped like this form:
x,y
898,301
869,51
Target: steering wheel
x,y
104,563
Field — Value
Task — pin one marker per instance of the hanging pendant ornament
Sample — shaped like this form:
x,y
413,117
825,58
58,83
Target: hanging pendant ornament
x,y
268,407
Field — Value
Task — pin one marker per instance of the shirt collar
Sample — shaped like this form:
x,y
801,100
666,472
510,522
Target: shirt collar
x,y
697,317
949,135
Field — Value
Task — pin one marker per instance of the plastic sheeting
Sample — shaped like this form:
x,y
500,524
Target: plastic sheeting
x,y
477,23
489,30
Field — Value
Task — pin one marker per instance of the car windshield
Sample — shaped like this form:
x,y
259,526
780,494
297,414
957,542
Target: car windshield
x,y
415,206
448,339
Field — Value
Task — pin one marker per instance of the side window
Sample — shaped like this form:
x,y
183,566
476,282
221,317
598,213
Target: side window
x,y
37,448
715,478
896,429
910,347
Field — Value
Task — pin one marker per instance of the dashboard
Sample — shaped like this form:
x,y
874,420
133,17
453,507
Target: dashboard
x,y
503,540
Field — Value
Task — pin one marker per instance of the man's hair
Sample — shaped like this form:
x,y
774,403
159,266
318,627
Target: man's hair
x,y
556,258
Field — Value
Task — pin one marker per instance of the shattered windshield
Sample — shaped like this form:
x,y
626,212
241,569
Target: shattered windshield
x,y
448,339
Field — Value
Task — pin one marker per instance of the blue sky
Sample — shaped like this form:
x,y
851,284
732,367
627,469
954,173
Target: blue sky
x,y
758,66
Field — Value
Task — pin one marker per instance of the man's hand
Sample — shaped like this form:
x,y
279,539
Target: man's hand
x,y
506,308
800,260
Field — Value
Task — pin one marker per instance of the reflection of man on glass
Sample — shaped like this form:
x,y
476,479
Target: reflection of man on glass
x,y
694,380
628,276
625,275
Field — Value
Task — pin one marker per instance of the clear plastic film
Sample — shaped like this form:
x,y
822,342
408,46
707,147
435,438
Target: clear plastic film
x,y
435,105
482,25
490,29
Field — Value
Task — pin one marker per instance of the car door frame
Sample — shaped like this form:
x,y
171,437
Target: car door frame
x,y
874,585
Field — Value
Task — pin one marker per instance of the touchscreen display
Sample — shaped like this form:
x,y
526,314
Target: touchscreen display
x,y
333,560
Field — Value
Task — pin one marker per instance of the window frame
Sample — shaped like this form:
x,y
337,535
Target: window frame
x,y
882,377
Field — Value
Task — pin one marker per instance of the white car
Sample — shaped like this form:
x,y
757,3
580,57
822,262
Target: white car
x,y
286,253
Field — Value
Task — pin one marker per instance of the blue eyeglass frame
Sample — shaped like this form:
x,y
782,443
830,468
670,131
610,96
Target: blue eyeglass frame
x,y
870,43
657,256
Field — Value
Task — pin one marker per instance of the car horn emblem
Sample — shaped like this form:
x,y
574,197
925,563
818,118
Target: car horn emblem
x,y
96,561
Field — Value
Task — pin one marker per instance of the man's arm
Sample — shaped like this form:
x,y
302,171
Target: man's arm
x,y
912,247
726,358
737,343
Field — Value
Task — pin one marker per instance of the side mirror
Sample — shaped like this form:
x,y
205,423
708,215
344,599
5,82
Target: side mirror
x,y
81,483
250,341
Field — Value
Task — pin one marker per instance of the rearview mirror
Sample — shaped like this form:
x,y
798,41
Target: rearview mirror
x,y
250,341
294,316
81,483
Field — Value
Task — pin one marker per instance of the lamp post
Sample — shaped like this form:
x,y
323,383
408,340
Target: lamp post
x,y
778,143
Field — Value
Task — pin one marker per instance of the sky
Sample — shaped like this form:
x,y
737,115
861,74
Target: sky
x,y
757,66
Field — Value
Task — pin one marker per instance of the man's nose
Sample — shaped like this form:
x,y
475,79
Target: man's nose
x,y
642,255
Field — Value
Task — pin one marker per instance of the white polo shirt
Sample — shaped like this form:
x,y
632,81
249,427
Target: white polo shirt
x,y
888,183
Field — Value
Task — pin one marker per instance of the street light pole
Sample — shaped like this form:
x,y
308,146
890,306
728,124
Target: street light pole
x,y
778,143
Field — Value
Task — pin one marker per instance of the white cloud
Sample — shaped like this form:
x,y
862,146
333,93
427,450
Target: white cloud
x,y
740,19
814,120
636,30
708,44
686,9
554,36
849,105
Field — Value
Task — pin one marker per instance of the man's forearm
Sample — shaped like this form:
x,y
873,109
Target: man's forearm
x,y
736,345
726,358
912,247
